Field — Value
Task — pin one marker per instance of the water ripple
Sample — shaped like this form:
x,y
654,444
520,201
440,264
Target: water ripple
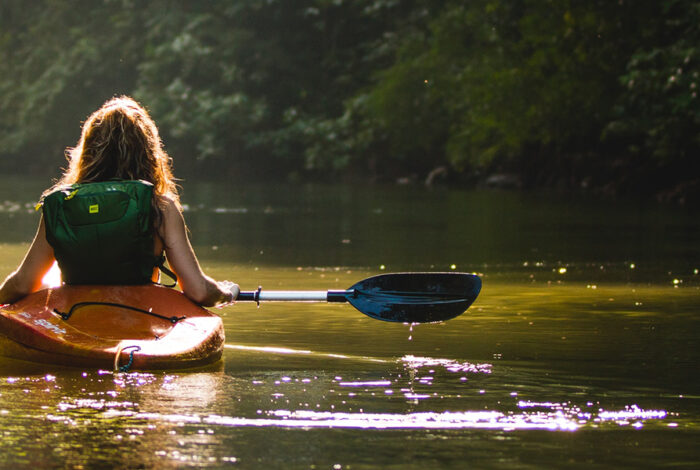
x,y
548,416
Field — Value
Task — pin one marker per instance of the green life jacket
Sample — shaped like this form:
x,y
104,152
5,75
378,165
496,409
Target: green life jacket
x,y
102,233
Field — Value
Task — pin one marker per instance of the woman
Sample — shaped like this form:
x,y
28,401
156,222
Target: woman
x,y
119,142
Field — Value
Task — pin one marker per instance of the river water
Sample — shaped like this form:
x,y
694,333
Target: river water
x,y
581,351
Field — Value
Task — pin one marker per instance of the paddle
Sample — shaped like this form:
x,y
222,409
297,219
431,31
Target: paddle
x,y
399,297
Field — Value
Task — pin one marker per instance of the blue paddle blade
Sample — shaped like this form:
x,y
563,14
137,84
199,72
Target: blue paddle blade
x,y
415,297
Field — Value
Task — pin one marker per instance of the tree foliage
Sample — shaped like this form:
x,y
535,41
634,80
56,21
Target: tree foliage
x,y
594,93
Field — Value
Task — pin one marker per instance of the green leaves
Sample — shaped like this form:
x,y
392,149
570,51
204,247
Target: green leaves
x,y
376,88
659,112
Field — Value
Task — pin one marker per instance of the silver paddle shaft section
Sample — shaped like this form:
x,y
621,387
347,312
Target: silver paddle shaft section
x,y
295,295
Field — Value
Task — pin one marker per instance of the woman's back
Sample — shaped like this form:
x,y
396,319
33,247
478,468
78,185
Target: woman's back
x,y
118,142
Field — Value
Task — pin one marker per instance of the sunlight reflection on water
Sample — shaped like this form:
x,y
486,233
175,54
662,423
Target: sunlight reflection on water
x,y
549,416
449,364
124,395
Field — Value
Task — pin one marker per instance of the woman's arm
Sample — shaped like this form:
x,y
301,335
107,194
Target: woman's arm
x,y
196,285
27,278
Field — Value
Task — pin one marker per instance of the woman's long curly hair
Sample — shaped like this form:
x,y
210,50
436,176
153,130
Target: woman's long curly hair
x,y
121,141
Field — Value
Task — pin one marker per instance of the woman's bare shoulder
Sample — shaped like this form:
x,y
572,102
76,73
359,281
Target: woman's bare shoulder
x,y
173,219
169,200
170,207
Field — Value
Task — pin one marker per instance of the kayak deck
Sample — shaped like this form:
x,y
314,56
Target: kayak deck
x,y
148,327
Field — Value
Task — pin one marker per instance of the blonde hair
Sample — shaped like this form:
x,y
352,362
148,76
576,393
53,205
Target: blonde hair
x,y
121,141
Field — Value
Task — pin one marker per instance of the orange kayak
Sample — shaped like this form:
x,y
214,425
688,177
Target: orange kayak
x,y
113,327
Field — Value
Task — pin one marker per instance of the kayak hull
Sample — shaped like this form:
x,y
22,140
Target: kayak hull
x,y
145,327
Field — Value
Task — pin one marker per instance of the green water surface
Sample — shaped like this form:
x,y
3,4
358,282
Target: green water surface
x,y
581,351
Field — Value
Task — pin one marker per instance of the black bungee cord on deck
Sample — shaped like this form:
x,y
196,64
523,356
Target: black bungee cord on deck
x,y
66,315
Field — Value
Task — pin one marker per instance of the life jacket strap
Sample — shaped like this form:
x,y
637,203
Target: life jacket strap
x,y
160,263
